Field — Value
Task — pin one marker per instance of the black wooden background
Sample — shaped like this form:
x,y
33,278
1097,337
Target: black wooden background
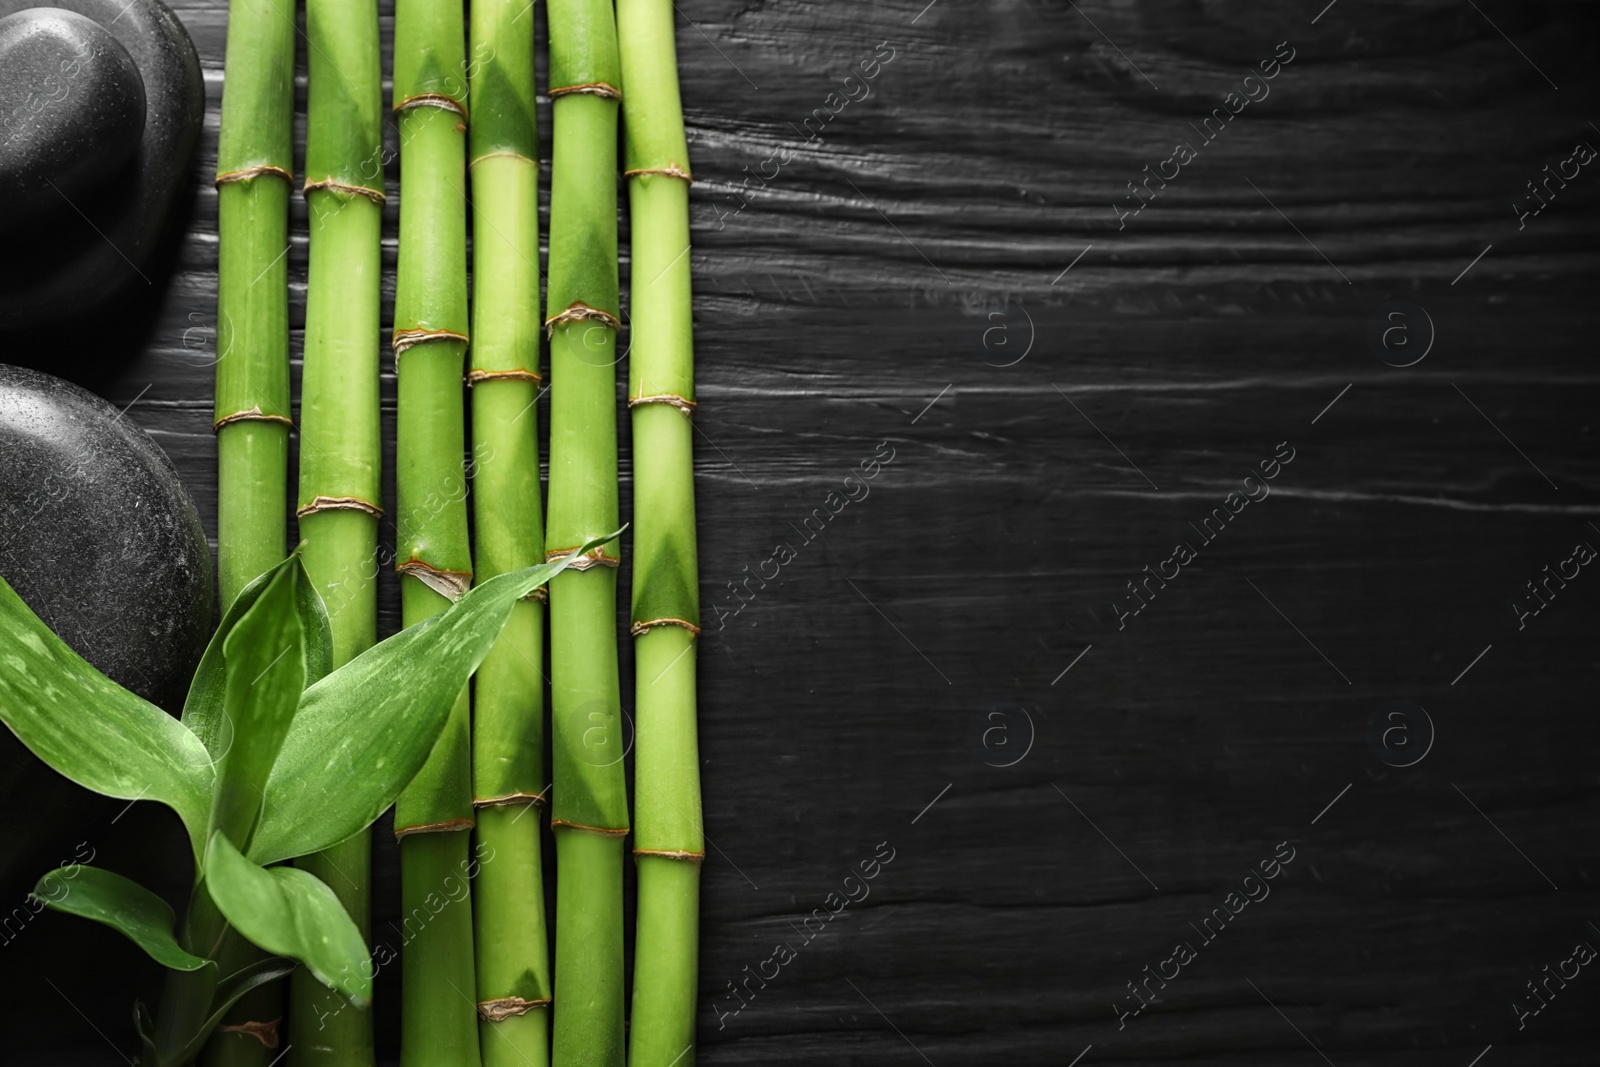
x,y
941,276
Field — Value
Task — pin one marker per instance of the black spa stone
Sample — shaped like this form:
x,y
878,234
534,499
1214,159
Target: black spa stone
x,y
99,537
65,259
72,108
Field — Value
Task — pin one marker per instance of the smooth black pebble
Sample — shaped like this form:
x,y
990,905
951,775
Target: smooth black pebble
x,y
100,537
65,261
72,108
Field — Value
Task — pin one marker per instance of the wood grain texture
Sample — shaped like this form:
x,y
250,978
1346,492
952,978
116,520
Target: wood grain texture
x,y
942,269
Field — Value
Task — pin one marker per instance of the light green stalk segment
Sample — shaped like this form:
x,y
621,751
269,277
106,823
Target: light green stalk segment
x,y
585,128
340,446
430,346
513,967
654,134
431,281
252,489
254,157
258,90
501,83
669,844
344,107
661,358
436,922
590,813
513,958
590,816
434,816
583,47
431,485
508,751
667,758
585,80
430,41
669,841
252,386
666,953
430,95
589,961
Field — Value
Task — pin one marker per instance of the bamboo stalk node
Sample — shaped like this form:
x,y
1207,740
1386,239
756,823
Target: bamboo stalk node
x,y
644,626
438,100
672,854
404,339
245,174
504,1008
338,503
254,414
605,89
682,403
577,311
333,185
603,831
449,584
540,595
476,376
671,170
506,153
266,1033
445,827
511,799
594,558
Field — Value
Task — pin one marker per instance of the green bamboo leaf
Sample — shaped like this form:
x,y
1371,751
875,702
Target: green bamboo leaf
x,y
203,709
362,733
290,912
92,730
265,674
122,904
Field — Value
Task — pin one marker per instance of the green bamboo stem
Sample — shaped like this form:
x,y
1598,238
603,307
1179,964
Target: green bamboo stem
x,y
254,157
433,818
669,844
437,957
590,809
588,945
252,385
340,445
513,968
